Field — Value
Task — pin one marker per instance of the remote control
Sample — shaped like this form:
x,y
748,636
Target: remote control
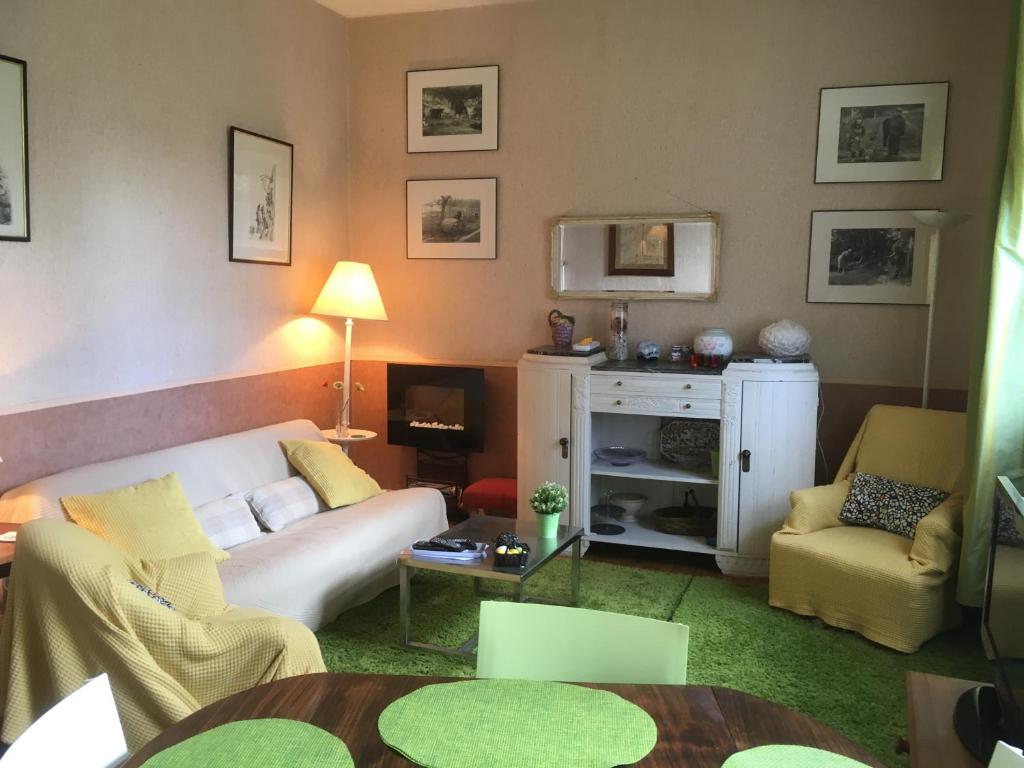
x,y
440,544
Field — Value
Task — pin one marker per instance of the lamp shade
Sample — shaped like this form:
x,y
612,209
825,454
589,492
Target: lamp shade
x,y
350,291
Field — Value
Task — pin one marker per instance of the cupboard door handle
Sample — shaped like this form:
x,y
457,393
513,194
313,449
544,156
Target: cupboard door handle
x,y
686,406
745,461
618,402
564,442
688,386
618,383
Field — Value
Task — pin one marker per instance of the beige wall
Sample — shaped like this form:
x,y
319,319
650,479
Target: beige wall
x,y
126,284
666,105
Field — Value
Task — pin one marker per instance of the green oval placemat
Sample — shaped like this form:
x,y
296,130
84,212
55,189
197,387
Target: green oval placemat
x,y
516,724
790,756
267,743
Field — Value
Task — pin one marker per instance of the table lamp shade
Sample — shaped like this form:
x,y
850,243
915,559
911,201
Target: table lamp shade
x,y
350,291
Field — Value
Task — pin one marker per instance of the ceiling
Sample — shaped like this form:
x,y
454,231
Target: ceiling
x,y
355,8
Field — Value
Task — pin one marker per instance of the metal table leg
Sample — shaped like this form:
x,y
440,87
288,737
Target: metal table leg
x,y
404,596
575,579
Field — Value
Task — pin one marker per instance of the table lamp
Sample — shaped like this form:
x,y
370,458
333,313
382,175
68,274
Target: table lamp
x,y
938,220
350,292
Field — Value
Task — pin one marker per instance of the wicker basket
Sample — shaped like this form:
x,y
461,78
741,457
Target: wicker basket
x,y
513,561
690,519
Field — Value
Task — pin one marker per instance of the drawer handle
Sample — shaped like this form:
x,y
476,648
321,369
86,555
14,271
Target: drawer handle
x,y
688,386
618,383
686,406
618,402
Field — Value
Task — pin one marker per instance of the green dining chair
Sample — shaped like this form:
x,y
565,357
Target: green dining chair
x,y
531,641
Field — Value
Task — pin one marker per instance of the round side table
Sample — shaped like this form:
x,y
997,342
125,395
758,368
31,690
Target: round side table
x,y
354,436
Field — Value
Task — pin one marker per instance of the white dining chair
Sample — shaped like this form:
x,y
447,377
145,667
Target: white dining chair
x,y
82,730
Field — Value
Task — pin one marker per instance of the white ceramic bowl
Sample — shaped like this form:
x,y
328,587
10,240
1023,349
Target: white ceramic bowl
x,y
631,503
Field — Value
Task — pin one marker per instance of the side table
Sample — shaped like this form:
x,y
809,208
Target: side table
x,y
7,549
354,436
930,702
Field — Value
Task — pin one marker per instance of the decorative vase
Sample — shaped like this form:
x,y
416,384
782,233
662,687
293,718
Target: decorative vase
x,y
561,328
713,341
341,427
547,526
784,338
618,325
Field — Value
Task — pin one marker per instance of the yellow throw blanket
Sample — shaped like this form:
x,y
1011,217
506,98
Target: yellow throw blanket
x,y
78,607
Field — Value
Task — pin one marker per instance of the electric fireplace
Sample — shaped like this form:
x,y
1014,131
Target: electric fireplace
x,y
436,407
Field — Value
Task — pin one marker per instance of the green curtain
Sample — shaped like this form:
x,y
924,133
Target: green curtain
x,y
995,410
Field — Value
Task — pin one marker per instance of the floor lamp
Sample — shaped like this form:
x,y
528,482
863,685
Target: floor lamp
x,y
938,221
350,292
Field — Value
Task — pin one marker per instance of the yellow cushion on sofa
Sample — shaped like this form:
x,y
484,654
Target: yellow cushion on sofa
x,y
331,473
151,520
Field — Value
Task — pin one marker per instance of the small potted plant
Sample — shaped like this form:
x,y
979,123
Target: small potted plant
x,y
547,502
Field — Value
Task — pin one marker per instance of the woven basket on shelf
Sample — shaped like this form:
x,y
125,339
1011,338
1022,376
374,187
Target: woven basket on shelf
x,y
690,519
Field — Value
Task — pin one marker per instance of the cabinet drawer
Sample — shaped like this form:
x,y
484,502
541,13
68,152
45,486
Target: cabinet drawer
x,y
657,406
665,385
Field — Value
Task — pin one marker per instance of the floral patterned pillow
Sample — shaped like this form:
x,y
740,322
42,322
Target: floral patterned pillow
x,y
877,502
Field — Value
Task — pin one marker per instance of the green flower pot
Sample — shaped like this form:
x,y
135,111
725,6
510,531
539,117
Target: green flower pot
x,y
547,526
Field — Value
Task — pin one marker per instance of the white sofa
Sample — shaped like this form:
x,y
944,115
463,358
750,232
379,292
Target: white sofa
x,y
311,570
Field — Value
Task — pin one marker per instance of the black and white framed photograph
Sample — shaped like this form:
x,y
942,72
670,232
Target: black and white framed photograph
x,y
259,199
451,218
882,133
14,213
868,257
453,110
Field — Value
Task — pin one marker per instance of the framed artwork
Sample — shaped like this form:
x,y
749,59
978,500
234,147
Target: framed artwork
x,y
452,110
14,214
641,249
869,257
882,133
451,218
259,199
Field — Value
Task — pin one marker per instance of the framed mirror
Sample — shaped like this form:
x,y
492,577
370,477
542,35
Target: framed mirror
x,y
673,256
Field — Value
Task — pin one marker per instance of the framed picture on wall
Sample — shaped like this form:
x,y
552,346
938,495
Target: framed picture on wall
x,y
868,257
14,213
259,199
882,132
452,110
641,249
451,218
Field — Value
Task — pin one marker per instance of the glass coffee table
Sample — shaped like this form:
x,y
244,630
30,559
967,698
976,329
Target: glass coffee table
x,y
484,528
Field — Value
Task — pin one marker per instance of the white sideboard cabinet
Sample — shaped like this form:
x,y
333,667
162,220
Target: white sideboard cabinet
x,y
765,413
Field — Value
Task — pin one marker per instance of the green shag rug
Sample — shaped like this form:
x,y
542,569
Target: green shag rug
x,y
736,640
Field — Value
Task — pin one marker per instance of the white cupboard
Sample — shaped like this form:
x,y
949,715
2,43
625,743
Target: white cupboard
x,y
766,414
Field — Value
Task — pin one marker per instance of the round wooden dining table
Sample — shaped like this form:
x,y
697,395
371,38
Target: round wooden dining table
x,y
697,725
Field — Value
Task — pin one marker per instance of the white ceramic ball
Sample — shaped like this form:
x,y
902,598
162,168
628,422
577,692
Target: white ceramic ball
x,y
784,338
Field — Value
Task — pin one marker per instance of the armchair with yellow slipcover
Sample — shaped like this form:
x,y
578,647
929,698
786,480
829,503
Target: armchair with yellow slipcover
x,y
893,590
77,607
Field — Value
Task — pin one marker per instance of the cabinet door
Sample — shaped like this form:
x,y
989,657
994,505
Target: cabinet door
x,y
778,426
544,418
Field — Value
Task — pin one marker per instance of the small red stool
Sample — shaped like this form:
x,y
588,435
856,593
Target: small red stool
x,y
492,495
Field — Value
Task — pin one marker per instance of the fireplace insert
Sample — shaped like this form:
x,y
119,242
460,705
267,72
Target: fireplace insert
x,y
436,407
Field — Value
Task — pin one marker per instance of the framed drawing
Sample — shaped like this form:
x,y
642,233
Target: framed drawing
x,y
868,257
14,214
452,110
882,133
259,199
641,249
451,218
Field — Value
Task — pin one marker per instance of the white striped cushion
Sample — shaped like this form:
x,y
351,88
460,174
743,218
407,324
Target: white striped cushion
x,y
283,502
228,522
